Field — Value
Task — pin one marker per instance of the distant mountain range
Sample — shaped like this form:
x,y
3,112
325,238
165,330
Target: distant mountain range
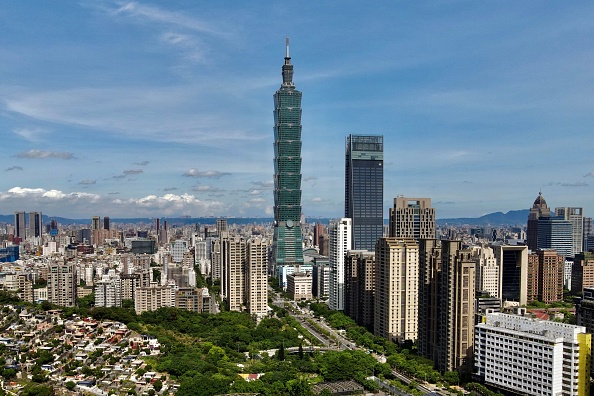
x,y
511,218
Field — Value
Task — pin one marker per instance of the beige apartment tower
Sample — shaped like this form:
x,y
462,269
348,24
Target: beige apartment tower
x,y
429,336
256,280
412,218
396,289
62,283
234,258
456,325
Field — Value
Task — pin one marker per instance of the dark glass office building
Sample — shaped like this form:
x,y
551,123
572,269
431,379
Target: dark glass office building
x,y
287,244
364,189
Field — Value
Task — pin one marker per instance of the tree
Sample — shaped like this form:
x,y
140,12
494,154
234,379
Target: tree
x,y
158,385
70,385
451,377
301,351
281,352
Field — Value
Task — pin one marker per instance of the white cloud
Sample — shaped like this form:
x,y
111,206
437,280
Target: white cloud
x,y
193,172
41,154
154,14
31,134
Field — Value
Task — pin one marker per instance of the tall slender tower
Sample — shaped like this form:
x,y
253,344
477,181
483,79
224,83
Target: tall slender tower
x,y
19,225
287,246
364,189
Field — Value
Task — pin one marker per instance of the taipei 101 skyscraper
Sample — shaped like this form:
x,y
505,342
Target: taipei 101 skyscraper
x,y
287,246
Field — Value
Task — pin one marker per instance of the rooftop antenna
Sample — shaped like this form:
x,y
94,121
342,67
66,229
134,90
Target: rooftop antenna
x,y
287,43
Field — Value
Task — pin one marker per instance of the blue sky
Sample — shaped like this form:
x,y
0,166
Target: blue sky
x,y
132,108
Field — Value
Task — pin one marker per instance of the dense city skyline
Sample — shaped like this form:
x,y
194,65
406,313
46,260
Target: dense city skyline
x,y
138,109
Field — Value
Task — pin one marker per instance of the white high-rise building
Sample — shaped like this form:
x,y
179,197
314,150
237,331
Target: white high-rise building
x,y
340,242
488,271
178,249
529,356
108,291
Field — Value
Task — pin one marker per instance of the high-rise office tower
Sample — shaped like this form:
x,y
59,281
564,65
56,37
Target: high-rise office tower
x,y
96,223
513,261
106,224
19,225
340,242
287,248
62,283
35,228
555,233
412,218
576,217
222,227
547,267
588,234
256,279
396,289
539,209
364,189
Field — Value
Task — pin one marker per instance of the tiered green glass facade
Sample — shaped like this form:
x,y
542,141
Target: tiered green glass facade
x,y
287,244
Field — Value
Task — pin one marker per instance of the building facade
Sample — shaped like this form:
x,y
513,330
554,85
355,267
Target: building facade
x,y
340,235
412,218
256,278
62,283
364,189
528,356
545,276
539,209
576,217
555,233
287,245
396,289
582,272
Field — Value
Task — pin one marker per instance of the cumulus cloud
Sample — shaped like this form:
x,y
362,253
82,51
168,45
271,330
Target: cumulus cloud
x,y
41,154
170,204
193,172
78,203
13,168
317,199
87,182
43,194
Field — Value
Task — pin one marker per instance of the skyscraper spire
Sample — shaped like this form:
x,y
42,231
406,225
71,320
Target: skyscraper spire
x,y
287,67
287,56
